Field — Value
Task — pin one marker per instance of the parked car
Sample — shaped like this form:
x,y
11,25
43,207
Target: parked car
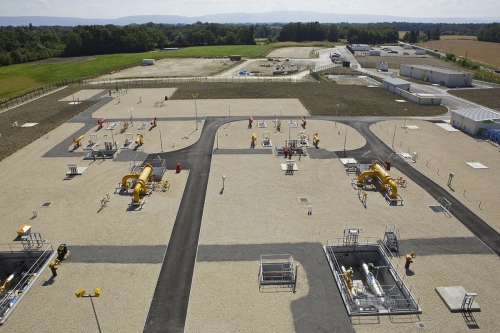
x,y
393,51
406,53
497,71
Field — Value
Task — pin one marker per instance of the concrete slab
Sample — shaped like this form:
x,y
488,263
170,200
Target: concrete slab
x,y
453,298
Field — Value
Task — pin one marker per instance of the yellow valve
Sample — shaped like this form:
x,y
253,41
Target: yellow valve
x,y
80,293
97,292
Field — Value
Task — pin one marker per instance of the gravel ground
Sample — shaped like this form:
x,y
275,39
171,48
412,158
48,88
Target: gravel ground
x,y
258,213
174,68
293,52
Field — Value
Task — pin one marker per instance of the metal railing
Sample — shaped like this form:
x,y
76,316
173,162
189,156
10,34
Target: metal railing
x,y
11,298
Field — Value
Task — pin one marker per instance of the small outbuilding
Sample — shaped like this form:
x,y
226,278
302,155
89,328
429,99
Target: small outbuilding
x,y
394,83
441,75
475,120
374,52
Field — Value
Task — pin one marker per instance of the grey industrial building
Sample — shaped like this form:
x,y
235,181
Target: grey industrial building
x,y
473,120
444,76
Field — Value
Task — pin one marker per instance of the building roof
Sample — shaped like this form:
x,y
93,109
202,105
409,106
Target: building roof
x,y
437,68
396,81
477,114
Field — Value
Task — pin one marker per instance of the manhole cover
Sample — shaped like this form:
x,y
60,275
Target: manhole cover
x,y
303,200
47,204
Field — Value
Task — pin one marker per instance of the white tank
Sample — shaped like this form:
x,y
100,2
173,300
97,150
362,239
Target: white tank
x,y
383,66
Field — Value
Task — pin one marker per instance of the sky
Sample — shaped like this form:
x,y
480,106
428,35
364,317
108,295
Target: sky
x,y
111,9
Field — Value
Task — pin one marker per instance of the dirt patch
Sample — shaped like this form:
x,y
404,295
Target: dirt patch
x,y
318,98
484,52
395,61
487,97
47,112
174,68
294,52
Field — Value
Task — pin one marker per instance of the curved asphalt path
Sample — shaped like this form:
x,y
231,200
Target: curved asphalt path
x,y
170,301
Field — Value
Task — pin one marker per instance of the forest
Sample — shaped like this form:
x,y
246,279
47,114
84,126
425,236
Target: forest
x,y
30,43
489,33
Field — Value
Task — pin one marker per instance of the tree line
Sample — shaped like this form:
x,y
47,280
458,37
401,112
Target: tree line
x,y
26,44
489,33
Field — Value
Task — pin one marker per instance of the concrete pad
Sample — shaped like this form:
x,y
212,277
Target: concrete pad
x,y
448,127
453,298
476,165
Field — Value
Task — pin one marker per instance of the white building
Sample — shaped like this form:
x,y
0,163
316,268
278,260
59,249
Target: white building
x,y
393,83
361,47
444,76
473,120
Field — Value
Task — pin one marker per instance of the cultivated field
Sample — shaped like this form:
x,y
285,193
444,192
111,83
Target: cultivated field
x,y
484,52
458,37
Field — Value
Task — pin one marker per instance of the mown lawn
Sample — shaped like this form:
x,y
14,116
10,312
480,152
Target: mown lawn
x,y
20,79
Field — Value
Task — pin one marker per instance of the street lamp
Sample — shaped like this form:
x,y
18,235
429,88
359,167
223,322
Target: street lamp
x,y
131,121
345,139
393,136
161,141
195,110
404,126
229,106
223,180
336,115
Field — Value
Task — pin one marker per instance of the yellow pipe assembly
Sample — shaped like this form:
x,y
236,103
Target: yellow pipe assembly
x,y
139,140
76,141
377,170
142,178
140,187
315,139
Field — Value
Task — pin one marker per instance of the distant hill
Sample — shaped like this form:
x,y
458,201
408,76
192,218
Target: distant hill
x,y
267,17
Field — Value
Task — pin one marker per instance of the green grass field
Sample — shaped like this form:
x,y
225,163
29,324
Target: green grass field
x,y
18,80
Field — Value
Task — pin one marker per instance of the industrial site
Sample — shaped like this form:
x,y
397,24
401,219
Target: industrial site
x,y
151,212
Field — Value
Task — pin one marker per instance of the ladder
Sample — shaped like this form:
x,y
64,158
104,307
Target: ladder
x,y
391,237
467,302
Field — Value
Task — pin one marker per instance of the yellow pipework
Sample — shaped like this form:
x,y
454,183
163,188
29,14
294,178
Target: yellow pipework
x,y
376,170
139,139
315,138
78,139
347,277
140,187
5,284
127,177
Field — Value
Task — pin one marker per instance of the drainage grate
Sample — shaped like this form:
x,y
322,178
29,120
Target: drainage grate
x,y
47,204
303,200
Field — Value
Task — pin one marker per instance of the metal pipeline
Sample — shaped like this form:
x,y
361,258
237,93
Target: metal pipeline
x,y
372,281
11,277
